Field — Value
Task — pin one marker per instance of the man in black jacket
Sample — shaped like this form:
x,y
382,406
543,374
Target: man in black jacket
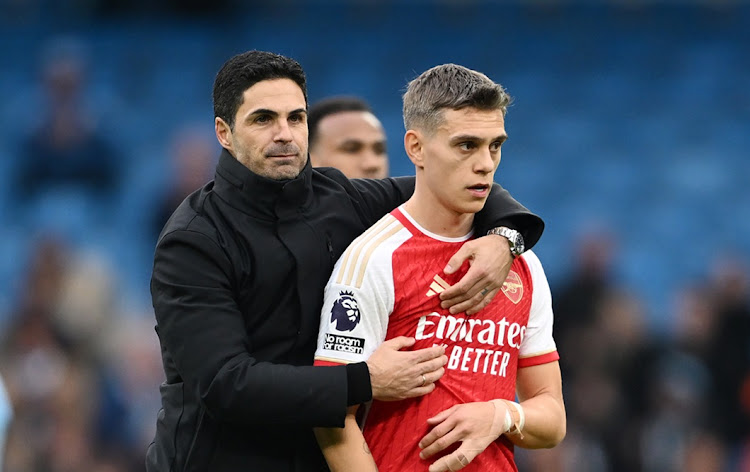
x,y
238,279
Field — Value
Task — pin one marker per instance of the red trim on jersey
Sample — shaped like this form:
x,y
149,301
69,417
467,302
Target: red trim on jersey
x,y
538,360
405,221
320,362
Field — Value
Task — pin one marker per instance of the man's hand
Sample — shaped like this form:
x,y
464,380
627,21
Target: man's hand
x,y
476,425
489,263
396,375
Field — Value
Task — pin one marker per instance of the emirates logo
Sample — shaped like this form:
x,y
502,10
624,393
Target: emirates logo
x,y
513,287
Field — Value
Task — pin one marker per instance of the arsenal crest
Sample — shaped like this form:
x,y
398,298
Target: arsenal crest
x,y
513,287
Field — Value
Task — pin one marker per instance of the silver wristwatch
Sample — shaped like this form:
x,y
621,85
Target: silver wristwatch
x,y
514,237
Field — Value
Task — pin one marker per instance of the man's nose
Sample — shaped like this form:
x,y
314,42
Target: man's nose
x,y
485,164
371,162
283,132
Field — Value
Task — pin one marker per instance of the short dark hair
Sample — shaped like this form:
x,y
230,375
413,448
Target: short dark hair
x,y
243,71
453,87
332,106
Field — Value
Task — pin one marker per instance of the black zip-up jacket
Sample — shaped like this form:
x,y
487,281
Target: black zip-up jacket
x,y
237,286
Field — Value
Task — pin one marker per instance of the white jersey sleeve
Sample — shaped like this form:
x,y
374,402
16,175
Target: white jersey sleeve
x,y
538,346
359,296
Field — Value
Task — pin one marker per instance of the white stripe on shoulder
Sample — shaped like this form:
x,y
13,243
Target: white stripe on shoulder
x,y
359,252
535,265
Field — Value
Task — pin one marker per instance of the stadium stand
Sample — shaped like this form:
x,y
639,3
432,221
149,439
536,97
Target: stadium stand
x,y
634,118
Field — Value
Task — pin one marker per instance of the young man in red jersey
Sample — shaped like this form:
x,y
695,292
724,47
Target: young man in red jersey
x,y
386,285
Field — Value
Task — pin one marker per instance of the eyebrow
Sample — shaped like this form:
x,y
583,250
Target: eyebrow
x,y
351,141
360,140
266,111
471,137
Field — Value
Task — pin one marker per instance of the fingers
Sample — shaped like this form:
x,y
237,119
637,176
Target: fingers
x,y
470,284
395,375
441,429
428,354
474,300
432,367
457,260
445,435
468,290
457,460
439,418
489,266
415,392
461,292
399,342
482,304
425,383
434,376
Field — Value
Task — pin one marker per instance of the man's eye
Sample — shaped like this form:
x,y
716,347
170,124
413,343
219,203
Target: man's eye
x,y
262,119
379,148
496,146
352,147
296,119
467,146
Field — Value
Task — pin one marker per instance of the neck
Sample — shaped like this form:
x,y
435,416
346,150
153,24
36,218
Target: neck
x,y
436,218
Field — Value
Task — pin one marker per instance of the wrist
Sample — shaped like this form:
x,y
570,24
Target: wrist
x,y
502,421
514,238
517,418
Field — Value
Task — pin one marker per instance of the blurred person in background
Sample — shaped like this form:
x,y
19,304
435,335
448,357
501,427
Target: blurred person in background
x,y
192,161
6,414
729,351
580,294
345,134
49,377
238,281
66,152
70,413
639,401
455,128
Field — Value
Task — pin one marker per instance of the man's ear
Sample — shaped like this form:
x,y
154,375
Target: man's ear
x,y
223,133
413,145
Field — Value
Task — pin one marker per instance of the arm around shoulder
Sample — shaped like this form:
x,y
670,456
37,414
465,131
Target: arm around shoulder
x,y
502,209
380,196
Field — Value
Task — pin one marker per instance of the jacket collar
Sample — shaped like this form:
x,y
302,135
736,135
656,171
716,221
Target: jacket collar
x,y
260,196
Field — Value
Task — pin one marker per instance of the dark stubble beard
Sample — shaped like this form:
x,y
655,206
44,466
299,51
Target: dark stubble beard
x,y
286,148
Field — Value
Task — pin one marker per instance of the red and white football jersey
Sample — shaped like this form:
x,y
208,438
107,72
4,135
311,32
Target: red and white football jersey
x,y
386,284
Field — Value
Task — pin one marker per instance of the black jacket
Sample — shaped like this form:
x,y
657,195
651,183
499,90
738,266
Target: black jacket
x,y
237,286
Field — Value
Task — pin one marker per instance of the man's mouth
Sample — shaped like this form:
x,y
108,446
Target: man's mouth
x,y
282,151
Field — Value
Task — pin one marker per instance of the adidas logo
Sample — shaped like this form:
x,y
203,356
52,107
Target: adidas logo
x,y
438,285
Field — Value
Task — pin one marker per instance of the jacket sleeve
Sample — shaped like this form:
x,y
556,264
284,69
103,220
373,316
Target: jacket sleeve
x,y
200,325
502,209
379,197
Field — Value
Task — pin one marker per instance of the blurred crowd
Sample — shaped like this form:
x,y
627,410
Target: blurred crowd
x,y
82,373
640,400
80,369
